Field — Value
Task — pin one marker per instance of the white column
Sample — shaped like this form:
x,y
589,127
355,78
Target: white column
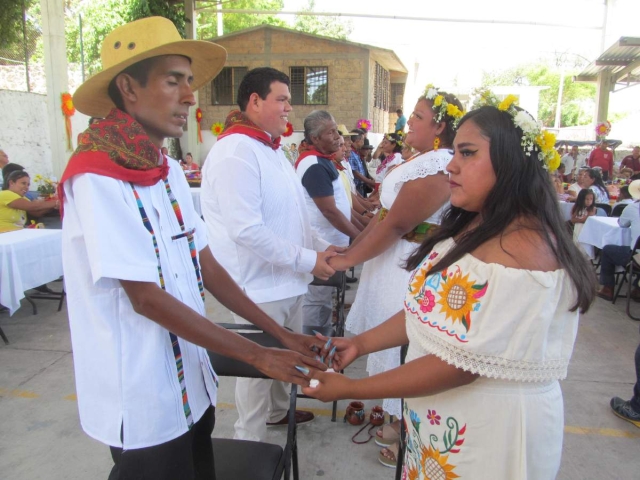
x,y
55,62
602,100
192,124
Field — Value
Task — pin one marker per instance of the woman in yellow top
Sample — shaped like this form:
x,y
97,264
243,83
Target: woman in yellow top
x,y
14,206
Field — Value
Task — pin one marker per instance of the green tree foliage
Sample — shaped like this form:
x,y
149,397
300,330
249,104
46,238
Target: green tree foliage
x,y
325,26
232,22
171,9
577,98
11,21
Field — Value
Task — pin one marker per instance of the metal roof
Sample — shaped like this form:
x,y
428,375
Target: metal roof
x,y
621,60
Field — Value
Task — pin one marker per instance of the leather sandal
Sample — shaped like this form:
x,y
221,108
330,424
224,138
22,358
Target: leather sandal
x,y
387,435
390,461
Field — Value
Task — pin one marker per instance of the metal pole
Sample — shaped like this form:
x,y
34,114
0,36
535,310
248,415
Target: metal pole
x,y
81,45
24,42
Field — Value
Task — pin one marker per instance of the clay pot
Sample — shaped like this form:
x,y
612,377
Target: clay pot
x,y
355,413
376,417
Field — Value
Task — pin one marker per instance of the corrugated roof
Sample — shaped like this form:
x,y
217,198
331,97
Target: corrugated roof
x,y
621,60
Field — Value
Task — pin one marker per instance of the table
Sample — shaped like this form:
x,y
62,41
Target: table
x,y
28,258
565,208
601,231
195,196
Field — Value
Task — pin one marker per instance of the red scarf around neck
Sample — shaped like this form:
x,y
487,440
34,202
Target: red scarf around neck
x,y
237,122
117,147
311,151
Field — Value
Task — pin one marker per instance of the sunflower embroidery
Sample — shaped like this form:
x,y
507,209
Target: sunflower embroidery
x,y
434,465
459,295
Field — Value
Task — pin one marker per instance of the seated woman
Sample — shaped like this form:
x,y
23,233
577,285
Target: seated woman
x,y
14,206
584,208
593,181
189,164
480,382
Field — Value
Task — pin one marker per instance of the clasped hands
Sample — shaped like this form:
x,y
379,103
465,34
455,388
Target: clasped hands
x,y
324,267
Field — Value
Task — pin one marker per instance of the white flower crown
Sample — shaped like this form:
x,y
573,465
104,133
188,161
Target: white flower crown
x,y
533,135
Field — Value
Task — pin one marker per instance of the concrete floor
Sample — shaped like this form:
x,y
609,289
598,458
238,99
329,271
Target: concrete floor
x,y
40,435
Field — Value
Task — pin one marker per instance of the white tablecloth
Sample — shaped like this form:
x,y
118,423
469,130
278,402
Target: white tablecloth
x,y
565,208
195,195
28,258
601,231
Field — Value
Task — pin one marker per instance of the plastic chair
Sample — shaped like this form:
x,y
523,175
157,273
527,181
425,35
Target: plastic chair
x,y
244,459
601,212
632,268
606,207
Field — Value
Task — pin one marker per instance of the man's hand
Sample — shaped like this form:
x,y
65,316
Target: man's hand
x,y
340,350
281,365
335,248
322,270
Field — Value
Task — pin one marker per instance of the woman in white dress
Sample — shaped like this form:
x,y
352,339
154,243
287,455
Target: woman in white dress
x,y
490,315
390,147
412,195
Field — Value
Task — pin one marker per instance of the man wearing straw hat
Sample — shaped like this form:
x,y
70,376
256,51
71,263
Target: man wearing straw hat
x,y
136,263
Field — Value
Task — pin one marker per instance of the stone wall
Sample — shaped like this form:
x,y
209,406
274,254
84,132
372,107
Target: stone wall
x,y
281,50
24,130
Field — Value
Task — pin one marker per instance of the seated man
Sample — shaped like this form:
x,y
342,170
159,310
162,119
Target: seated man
x,y
616,255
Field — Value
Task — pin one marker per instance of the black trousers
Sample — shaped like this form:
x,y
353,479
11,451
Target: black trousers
x,y
188,457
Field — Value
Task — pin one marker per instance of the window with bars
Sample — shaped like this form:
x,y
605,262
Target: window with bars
x,y
309,85
397,95
381,88
224,88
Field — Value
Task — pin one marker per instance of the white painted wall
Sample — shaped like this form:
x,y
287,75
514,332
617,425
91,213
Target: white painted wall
x,y
24,131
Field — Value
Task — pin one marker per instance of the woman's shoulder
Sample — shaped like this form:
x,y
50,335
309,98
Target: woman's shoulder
x,y
9,195
522,246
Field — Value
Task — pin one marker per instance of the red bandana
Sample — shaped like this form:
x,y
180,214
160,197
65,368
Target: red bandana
x,y
237,122
310,151
117,147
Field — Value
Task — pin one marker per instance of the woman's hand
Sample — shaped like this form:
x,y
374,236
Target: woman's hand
x,y
332,386
338,352
339,263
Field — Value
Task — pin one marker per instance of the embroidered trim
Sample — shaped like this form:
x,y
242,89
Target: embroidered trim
x,y
487,365
427,164
188,234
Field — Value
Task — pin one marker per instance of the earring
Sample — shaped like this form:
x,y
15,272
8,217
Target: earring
x,y
436,143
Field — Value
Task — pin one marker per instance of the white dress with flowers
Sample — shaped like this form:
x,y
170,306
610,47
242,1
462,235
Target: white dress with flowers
x,y
513,328
383,279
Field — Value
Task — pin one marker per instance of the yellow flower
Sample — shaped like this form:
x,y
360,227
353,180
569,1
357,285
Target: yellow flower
x,y
37,178
217,128
554,163
546,140
507,102
453,111
438,100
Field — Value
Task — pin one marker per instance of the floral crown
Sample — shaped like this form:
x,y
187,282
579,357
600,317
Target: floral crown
x,y
398,141
442,108
533,136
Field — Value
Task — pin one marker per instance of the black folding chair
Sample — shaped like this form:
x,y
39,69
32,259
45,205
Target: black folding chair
x,y
244,459
617,210
338,281
632,268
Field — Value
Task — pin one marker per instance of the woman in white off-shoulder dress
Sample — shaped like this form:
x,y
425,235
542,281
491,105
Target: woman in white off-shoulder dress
x,y
490,314
412,196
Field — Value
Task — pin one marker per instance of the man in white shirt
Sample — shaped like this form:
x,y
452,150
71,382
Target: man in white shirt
x,y
573,161
259,229
136,263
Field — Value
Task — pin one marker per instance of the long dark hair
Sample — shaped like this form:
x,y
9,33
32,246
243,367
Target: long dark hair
x,y
597,181
582,200
522,189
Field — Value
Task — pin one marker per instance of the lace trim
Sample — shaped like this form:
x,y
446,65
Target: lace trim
x,y
428,164
488,365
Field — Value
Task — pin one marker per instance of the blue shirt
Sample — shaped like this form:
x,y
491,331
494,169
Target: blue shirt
x,y
356,166
400,123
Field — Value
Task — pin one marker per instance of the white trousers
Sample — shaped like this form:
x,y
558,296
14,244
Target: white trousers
x,y
260,401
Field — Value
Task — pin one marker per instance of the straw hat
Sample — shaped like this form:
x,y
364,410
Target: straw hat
x,y
342,130
137,41
634,189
